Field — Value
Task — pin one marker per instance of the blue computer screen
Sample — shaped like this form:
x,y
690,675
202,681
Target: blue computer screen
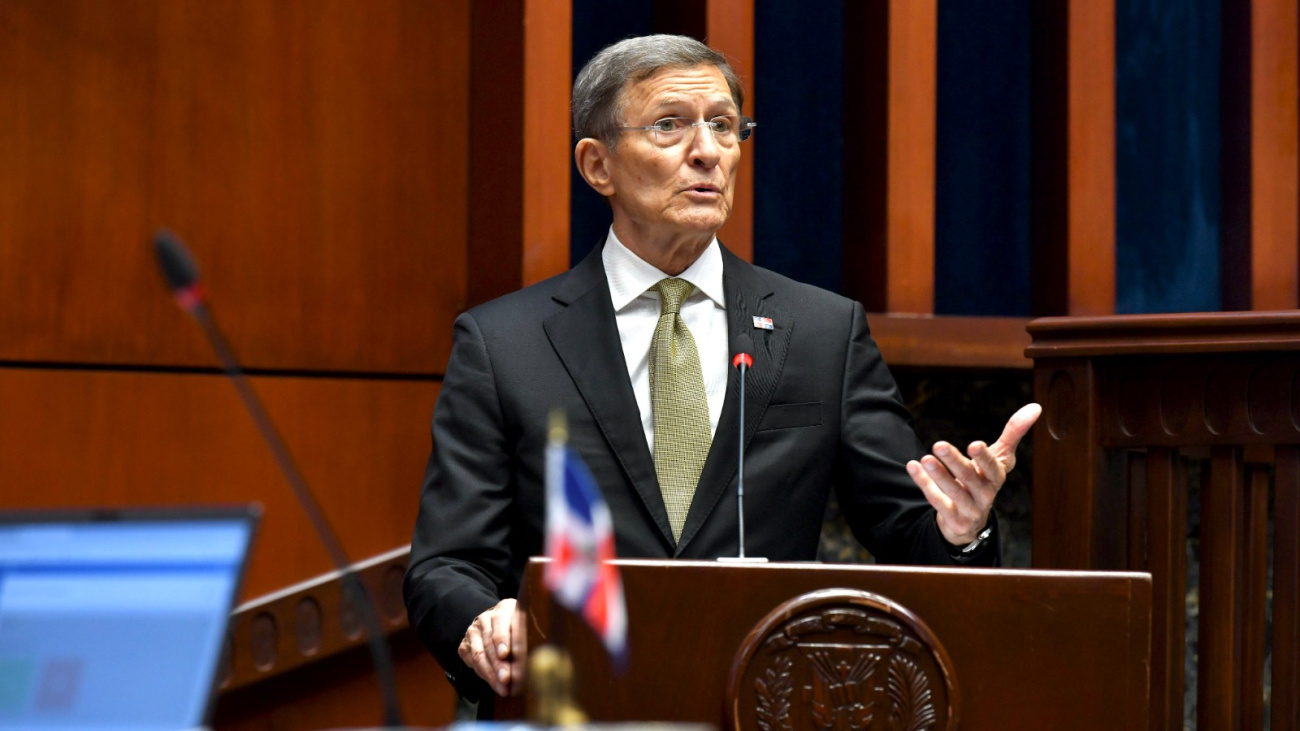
x,y
107,625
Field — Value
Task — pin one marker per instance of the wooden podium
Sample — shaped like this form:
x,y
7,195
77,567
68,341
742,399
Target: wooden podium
x,y
792,646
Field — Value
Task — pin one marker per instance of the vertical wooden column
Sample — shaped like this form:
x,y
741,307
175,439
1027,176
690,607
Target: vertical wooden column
x,y
1166,560
496,150
1067,466
520,144
1275,168
1254,586
548,150
1073,200
1286,590
1218,703
890,71
1139,514
1260,113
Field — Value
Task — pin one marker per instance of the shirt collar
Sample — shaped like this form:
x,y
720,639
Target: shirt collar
x,y
630,276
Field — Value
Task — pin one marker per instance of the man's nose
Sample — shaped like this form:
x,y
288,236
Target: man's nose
x,y
705,150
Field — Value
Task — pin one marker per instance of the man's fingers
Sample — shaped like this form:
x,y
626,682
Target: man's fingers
x,y
503,629
957,464
990,467
932,477
486,623
937,498
475,656
489,648
1017,426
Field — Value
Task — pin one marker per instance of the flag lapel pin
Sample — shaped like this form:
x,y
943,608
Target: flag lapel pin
x,y
763,323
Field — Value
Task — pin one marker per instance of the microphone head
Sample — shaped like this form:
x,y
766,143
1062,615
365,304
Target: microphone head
x,y
744,345
178,267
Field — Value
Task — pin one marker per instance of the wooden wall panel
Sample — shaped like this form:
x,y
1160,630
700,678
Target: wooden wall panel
x,y
1073,128
88,438
1274,158
521,144
913,30
548,146
312,153
890,82
1260,177
341,692
1091,177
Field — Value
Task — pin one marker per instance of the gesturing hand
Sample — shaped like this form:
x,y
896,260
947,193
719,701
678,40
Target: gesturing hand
x,y
962,490
494,646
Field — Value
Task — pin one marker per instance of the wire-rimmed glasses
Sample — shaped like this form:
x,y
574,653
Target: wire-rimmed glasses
x,y
727,129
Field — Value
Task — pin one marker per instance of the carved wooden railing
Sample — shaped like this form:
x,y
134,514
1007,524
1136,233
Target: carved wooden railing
x,y
1125,398
295,658
312,620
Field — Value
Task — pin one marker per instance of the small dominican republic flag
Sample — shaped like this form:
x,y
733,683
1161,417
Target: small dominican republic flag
x,y
580,544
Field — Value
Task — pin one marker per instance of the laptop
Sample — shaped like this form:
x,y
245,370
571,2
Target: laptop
x,y
116,619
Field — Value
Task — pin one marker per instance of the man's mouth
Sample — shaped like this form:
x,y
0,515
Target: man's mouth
x,y
703,188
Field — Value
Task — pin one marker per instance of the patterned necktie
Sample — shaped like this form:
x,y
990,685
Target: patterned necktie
x,y
681,410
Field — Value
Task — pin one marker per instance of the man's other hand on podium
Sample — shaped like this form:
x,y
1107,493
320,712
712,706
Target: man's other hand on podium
x,y
495,647
962,489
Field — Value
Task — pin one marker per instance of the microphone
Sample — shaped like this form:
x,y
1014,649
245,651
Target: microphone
x,y
742,362
182,276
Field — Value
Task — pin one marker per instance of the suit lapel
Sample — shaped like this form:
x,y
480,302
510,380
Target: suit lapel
x,y
585,337
748,296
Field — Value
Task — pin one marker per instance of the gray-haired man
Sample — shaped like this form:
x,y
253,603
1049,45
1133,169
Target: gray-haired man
x,y
634,344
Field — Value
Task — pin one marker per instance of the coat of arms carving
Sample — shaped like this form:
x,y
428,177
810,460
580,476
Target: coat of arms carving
x,y
842,660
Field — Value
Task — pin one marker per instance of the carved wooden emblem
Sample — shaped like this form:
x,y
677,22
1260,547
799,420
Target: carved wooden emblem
x,y
842,660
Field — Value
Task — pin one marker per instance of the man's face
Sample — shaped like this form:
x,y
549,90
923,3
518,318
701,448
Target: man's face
x,y
679,189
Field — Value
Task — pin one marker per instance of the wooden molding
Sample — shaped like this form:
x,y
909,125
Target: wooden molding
x,y
960,342
310,621
1217,332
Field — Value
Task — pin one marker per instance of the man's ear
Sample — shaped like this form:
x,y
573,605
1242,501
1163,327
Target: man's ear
x,y
594,160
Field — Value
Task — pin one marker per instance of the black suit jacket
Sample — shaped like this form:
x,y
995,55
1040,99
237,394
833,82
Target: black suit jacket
x,y
821,411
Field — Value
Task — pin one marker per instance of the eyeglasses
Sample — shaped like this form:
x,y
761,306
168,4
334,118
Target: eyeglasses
x,y
727,129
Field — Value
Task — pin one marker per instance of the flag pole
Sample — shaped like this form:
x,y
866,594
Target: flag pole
x,y
550,667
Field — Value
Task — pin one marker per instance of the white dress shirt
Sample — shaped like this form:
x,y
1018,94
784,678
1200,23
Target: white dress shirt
x,y
636,308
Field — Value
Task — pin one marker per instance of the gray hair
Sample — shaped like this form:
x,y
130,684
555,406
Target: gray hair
x,y
598,91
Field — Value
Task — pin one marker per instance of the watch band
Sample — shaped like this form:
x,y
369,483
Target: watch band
x,y
979,540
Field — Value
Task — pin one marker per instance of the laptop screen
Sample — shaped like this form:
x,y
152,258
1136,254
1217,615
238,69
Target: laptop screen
x,y
115,621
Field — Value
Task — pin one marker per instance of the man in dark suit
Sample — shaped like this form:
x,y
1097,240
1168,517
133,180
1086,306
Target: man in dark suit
x,y
634,345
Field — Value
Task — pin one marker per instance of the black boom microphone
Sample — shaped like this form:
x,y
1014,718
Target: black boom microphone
x,y
182,277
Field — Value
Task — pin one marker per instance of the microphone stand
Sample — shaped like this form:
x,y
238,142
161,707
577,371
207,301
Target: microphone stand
x,y
182,275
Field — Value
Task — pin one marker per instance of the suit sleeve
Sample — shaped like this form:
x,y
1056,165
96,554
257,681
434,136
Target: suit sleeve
x,y
885,509
460,553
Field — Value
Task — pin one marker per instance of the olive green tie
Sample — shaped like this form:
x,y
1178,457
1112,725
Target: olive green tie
x,y
681,410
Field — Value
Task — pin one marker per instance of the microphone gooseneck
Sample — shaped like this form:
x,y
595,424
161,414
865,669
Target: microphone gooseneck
x,y
743,361
182,276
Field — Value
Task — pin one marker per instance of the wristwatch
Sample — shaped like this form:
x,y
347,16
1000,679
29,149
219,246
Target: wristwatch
x,y
979,540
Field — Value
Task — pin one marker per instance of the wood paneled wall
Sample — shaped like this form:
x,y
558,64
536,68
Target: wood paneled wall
x,y
311,154
304,149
